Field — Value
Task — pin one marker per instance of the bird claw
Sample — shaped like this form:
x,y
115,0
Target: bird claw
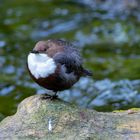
x,y
51,97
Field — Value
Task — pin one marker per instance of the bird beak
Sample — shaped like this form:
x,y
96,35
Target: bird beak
x,y
34,51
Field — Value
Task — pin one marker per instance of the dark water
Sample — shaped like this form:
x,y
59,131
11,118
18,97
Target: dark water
x,y
107,33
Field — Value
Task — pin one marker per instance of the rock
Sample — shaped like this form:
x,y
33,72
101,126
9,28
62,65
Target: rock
x,y
57,120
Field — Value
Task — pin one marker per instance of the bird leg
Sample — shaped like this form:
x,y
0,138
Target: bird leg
x,y
55,96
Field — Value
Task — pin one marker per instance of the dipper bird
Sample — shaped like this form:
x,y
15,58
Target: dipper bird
x,y
55,65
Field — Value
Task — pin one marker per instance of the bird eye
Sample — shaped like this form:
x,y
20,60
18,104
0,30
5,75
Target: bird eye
x,y
45,49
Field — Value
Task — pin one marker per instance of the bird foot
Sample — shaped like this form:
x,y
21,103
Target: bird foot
x,y
51,97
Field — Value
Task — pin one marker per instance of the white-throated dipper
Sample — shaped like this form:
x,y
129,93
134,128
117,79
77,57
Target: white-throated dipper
x,y
55,65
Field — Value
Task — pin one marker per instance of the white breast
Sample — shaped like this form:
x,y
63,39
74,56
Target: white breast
x,y
40,65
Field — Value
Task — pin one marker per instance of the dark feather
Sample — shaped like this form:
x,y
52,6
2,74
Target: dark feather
x,y
87,72
70,59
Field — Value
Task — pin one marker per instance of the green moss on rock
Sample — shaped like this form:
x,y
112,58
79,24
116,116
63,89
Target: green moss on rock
x,y
58,120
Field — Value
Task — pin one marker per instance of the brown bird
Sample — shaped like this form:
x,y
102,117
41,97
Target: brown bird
x,y
55,65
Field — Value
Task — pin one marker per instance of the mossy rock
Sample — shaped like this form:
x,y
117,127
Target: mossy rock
x,y
37,118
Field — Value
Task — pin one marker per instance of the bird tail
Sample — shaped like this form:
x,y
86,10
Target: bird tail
x,y
87,72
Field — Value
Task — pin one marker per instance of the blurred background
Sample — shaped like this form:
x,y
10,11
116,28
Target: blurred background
x,y
106,31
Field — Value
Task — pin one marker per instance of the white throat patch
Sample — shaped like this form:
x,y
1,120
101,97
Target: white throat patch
x,y
40,65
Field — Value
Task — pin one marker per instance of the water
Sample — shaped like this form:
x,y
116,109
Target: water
x,y
107,32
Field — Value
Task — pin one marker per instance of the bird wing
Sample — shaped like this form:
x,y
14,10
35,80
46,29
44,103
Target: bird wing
x,y
70,59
